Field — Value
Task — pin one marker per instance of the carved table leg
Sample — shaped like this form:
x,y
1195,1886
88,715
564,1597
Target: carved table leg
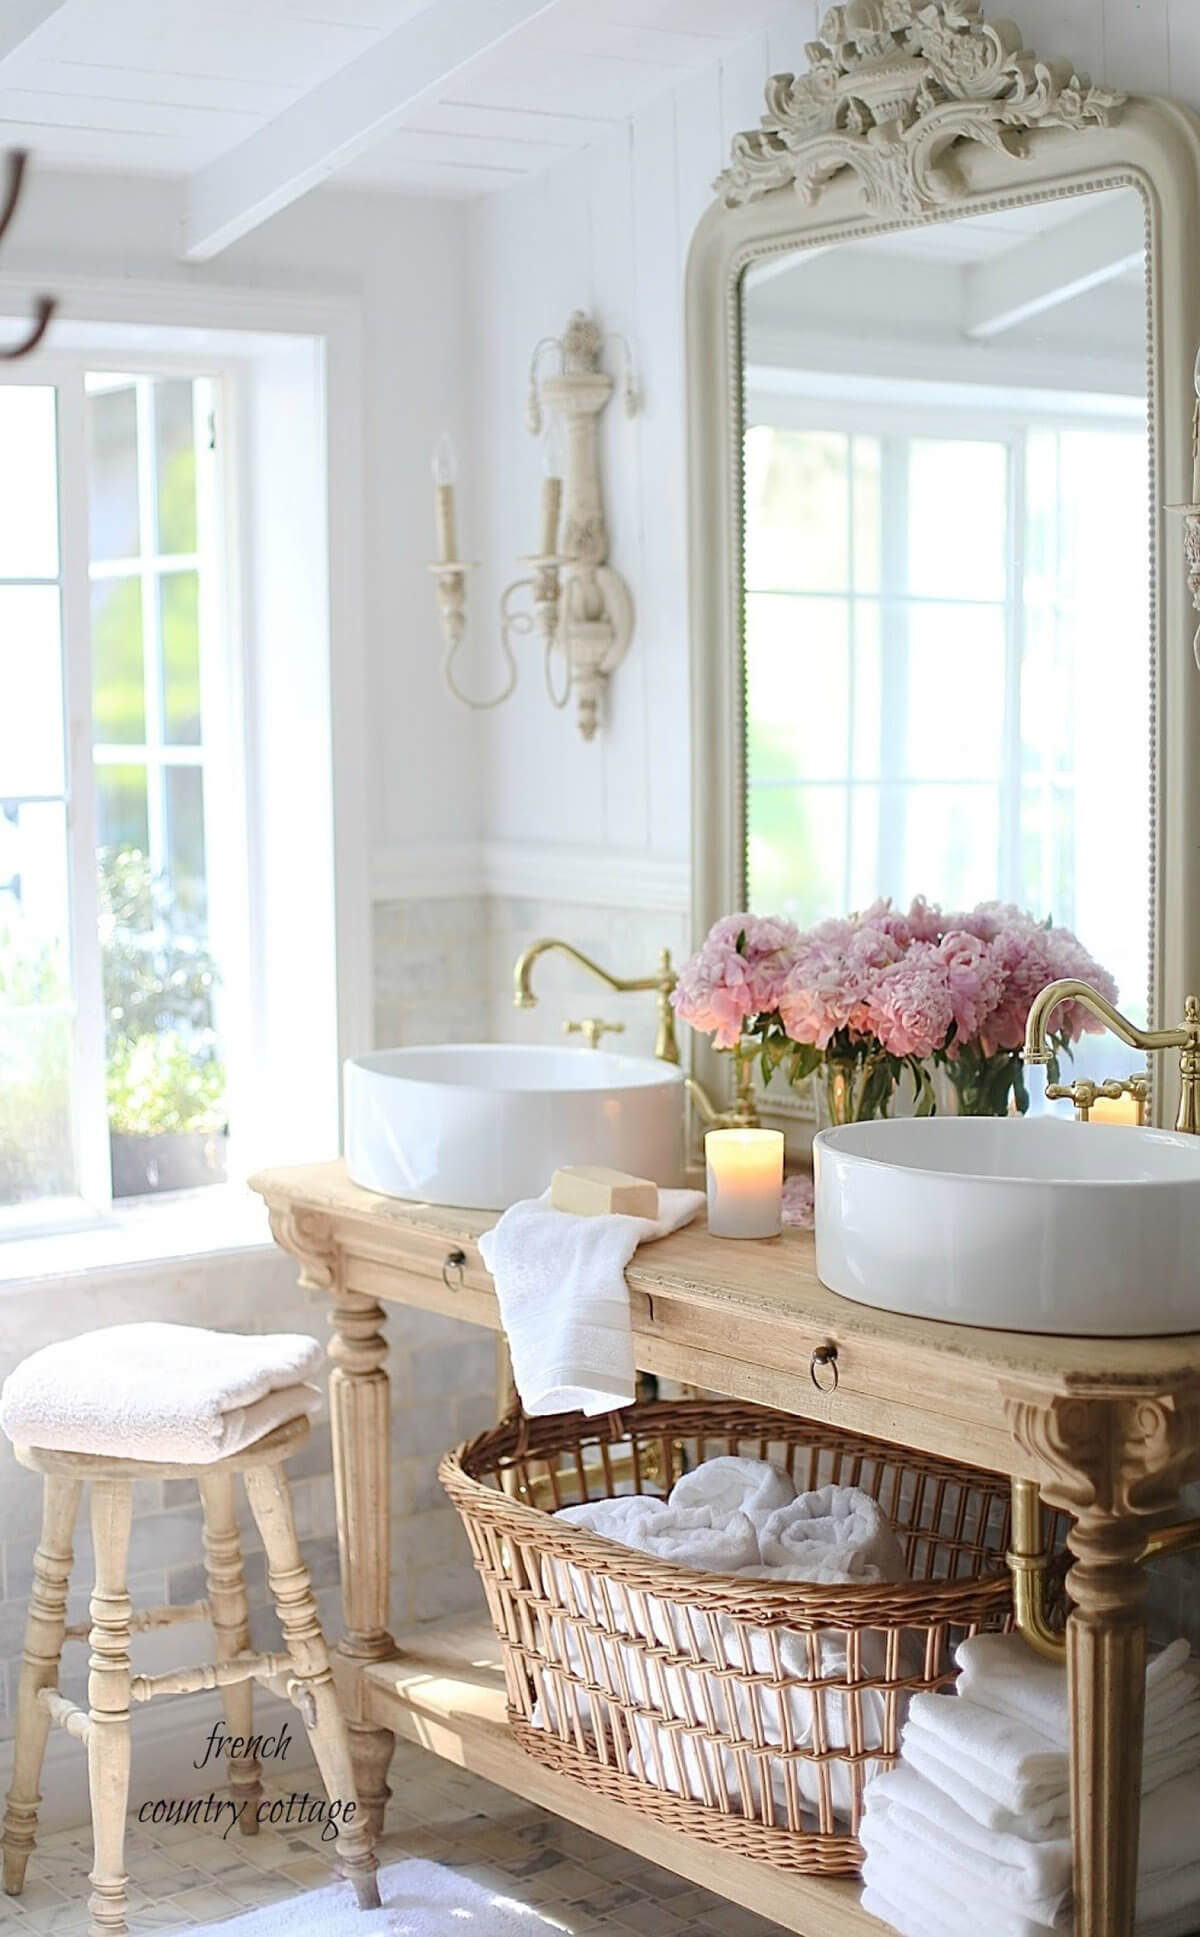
x,y
1108,1457
1106,1670
359,1400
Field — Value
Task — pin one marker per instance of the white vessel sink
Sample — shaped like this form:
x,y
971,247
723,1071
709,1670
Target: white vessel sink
x,y
483,1124
1090,1230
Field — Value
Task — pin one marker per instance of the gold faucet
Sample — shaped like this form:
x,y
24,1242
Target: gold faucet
x,y
666,1046
743,1115
1186,1038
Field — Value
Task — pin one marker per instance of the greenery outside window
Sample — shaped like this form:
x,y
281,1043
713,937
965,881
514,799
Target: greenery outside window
x,y
113,1007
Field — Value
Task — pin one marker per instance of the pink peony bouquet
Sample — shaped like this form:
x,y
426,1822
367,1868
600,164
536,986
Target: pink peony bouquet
x,y
870,996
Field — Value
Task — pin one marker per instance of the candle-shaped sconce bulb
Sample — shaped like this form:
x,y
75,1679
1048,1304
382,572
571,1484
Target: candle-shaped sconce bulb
x,y
445,470
745,1183
551,489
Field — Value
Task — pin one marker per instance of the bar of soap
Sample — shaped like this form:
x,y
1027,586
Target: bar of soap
x,y
589,1190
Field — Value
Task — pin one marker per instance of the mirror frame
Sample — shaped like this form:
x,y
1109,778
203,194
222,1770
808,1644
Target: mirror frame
x,y
911,114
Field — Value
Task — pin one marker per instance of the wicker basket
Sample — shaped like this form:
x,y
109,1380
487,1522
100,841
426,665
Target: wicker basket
x,y
748,1712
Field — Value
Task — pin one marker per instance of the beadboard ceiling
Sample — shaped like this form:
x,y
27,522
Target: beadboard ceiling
x,y
257,100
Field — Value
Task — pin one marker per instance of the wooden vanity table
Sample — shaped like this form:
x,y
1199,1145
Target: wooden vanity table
x,y
1109,1428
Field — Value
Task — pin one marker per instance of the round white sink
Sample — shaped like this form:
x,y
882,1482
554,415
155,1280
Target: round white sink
x,y
1041,1225
483,1124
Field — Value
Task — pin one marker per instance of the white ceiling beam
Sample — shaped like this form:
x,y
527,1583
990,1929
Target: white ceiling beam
x,y
1066,260
341,119
21,18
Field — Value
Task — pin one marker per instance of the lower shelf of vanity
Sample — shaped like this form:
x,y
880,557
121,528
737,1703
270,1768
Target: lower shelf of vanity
x,y
447,1695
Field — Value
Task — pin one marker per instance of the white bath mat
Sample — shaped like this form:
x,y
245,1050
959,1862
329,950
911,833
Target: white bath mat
x,y
419,1900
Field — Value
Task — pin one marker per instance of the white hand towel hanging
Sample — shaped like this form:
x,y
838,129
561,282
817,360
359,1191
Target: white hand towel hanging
x,y
564,1302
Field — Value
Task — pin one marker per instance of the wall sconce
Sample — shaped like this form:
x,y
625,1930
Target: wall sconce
x,y
578,606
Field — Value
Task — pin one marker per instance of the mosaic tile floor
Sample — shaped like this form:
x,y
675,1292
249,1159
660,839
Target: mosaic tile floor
x,y
182,1877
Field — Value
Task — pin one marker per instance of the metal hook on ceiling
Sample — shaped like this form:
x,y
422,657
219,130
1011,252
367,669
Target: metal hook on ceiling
x,y
45,306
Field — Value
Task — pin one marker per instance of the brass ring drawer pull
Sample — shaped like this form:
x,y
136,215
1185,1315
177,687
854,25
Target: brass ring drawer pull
x,y
824,1355
453,1261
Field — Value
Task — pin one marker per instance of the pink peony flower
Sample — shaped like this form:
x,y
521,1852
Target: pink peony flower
x,y
914,983
911,1010
974,981
738,973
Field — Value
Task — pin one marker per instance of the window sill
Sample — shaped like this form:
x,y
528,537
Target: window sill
x,y
167,1229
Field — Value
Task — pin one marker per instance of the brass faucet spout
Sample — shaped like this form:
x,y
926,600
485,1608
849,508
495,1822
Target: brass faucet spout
x,y
1186,1038
1037,1048
666,1047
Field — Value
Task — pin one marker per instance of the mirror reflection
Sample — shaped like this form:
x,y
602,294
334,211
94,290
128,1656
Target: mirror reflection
x,y
947,570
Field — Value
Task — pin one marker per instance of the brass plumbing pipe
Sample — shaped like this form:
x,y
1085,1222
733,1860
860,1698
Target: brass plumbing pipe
x,y
1028,1563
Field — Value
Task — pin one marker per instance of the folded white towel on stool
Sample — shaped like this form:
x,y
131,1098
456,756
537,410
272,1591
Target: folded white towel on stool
x,y
160,1392
564,1302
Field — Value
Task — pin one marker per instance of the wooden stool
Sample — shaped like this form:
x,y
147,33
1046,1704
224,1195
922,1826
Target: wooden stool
x,y
302,1674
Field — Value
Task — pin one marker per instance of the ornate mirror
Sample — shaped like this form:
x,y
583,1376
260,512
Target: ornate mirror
x,y
940,348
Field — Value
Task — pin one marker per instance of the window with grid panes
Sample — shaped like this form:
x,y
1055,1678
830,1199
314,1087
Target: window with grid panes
x,y
112,1077
946,644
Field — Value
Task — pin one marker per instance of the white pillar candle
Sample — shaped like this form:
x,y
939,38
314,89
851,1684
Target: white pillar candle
x,y
745,1183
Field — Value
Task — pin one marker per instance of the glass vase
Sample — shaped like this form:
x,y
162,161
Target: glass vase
x,y
855,1092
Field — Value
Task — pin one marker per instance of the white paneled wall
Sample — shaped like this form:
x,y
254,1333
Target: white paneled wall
x,y
609,230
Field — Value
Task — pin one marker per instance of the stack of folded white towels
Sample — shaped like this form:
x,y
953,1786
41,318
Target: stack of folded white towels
x,y
742,1517
969,1835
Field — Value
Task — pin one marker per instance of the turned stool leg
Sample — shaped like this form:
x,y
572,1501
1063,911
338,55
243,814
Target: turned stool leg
x,y
271,1505
231,1631
44,1628
108,1704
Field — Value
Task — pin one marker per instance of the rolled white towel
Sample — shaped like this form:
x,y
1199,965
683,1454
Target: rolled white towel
x,y
709,1539
729,1484
1005,1758
838,1533
155,1392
